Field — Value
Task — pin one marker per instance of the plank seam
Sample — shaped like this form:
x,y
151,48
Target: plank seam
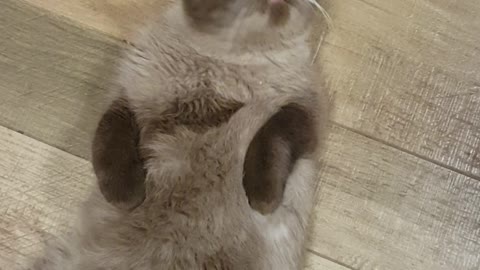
x,y
416,155
21,133
330,259
68,20
116,40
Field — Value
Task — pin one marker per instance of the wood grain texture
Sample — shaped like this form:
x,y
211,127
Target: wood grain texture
x,y
117,18
378,208
40,188
52,77
383,209
406,72
314,262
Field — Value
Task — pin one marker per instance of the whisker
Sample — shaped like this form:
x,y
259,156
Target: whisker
x,y
329,21
323,11
317,50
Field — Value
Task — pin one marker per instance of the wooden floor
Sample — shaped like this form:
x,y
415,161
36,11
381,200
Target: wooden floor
x,y
401,183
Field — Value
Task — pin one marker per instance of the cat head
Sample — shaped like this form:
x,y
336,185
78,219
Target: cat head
x,y
254,24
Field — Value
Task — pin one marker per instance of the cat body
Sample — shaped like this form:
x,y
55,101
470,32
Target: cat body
x,y
207,157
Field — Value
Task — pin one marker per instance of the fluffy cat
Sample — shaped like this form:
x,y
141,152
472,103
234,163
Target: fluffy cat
x,y
207,157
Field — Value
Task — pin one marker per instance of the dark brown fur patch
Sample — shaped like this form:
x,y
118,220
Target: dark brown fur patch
x,y
199,111
219,261
209,13
116,151
271,156
214,14
116,160
279,14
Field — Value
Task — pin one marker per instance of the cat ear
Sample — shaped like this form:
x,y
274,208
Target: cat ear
x,y
287,136
116,158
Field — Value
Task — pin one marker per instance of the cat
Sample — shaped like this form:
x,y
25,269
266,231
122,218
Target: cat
x,y
207,157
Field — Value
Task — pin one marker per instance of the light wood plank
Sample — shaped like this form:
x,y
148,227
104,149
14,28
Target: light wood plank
x,y
315,262
380,208
387,211
52,77
406,72
114,17
40,188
